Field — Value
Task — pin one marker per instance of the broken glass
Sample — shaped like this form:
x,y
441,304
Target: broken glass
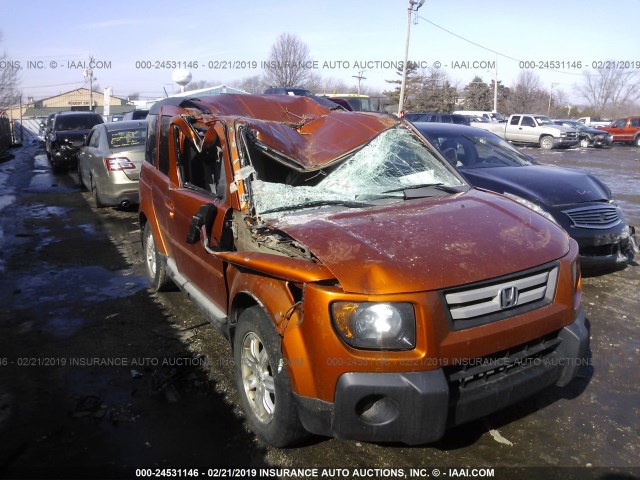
x,y
394,159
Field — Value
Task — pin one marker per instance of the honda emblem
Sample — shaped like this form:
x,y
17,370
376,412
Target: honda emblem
x,y
508,297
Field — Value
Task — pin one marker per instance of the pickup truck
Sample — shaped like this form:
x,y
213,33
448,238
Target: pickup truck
x,y
624,130
533,129
593,121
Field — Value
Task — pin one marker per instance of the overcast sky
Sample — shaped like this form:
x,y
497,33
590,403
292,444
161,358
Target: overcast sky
x,y
225,34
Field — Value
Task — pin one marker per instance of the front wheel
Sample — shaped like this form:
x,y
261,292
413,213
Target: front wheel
x,y
155,267
263,381
636,142
546,142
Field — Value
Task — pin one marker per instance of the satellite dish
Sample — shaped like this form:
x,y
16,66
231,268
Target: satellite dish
x,y
181,77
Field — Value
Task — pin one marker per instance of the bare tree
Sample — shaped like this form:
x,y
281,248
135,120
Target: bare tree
x,y
320,84
255,84
9,93
609,90
289,64
527,95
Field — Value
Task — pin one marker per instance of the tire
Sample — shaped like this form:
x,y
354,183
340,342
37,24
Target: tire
x,y
263,383
546,142
636,142
155,267
96,194
584,143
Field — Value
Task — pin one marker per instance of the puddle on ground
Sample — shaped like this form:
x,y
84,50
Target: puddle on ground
x,y
76,285
40,210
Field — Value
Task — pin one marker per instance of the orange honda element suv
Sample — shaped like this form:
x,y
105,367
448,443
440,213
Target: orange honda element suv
x,y
368,292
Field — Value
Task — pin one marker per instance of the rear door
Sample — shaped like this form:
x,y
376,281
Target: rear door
x,y
513,131
617,130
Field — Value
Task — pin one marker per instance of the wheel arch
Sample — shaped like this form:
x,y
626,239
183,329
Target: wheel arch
x,y
279,300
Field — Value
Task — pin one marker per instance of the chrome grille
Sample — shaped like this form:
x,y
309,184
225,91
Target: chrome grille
x,y
595,216
477,302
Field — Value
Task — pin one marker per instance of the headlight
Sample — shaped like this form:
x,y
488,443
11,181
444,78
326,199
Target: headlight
x,y
533,206
53,138
380,326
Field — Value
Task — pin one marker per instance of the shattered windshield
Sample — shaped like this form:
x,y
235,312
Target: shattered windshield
x,y
393,161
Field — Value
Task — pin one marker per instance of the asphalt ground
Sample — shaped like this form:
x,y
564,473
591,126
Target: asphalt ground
x,y
99,378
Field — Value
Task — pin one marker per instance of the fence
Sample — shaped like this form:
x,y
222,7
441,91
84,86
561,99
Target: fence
x,y
6,137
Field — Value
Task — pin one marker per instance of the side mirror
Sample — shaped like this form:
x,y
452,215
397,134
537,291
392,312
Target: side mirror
x,y
204,218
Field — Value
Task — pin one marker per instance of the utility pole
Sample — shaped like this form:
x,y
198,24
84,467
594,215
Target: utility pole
x,y
550,95
360,78
417,4
88,73
495,88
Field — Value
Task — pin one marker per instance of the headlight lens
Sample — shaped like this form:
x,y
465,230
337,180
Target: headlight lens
x,y
533,206
379,326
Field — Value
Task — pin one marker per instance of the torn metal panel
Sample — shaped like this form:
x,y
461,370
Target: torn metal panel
x,y
297,127
291,269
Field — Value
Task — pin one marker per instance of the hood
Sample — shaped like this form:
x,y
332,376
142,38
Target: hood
x,y
544,184
427,244
562,128
592,131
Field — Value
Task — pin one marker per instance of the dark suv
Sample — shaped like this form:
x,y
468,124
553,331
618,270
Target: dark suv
x,y
437,117
67,135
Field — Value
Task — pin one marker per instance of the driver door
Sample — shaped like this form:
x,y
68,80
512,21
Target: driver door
x,y
202,180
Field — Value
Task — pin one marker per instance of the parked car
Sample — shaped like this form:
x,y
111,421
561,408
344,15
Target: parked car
x,y
67,135
303,92
135,115
474,120
437,117
490,116
109,163
589,136
354,272
624,130
355,101
578,201
530,129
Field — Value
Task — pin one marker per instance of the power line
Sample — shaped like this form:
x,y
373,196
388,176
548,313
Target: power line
x,y
490,49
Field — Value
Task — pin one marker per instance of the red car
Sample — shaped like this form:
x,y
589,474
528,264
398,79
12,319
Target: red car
x,y
624,130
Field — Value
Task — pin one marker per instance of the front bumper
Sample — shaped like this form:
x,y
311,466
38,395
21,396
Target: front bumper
x,y
607,252
64,155
565,142
417,407
602,142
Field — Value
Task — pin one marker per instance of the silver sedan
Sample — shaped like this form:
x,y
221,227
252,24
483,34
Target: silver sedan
x,y
109,162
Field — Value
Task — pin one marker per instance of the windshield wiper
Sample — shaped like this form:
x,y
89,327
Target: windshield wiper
x,y
318,203
439,186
